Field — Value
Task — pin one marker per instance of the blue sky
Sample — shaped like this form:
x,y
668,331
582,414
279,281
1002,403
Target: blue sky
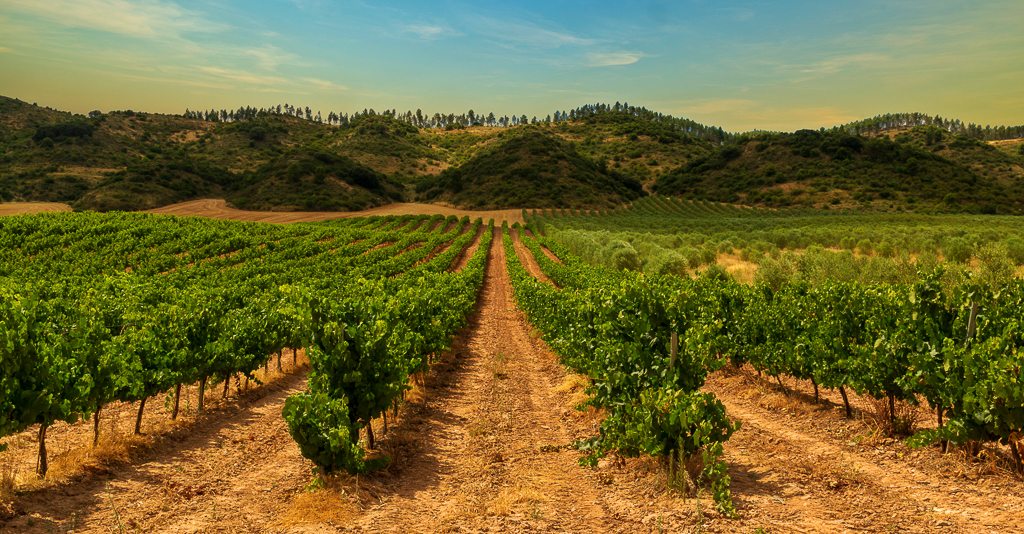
x,y
740,65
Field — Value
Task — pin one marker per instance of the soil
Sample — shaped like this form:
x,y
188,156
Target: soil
x,y
218,209
17,208
460,262
480,445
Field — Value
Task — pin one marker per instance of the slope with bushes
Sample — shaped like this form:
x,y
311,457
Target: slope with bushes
x,y
530,167
922,169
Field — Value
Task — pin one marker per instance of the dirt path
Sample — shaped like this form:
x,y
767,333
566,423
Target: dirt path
x,y
233,470
478,463
803,467
460,262
528,261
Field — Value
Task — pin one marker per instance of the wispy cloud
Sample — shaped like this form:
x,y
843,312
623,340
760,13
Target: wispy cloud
x,y
430,31
527,33
324,84
612,59
268,57
243,76
833,65
150,19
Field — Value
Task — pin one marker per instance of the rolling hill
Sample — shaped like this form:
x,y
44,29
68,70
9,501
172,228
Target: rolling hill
x,y
530,167
920,168
597,156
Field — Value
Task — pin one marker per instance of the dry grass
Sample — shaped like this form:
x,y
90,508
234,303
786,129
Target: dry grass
x,y
513,499
10,477
686,475
574,386
901,422
833,474
741,271
498,366
339,501
16,208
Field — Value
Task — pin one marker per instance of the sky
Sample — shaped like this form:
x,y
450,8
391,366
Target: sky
x,y
770,65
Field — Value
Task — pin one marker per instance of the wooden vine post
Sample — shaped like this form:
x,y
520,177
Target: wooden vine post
x,y
177,401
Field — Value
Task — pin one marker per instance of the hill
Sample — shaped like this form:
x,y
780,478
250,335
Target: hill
x,y
922,168
530,166
129,160
594,156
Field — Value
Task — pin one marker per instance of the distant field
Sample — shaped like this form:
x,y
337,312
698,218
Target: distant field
x,y
218,209
16,208
512,216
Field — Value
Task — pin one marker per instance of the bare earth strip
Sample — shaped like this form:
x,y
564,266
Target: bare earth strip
x,y
18,208
230,470
218,209
479,462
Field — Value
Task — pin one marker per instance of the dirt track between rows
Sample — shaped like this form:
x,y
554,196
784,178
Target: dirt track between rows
x,y
478,463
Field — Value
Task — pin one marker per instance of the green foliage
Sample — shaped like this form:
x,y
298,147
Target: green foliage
x,y
105,307
886,327
957,250
838,167
61,131
530,168
320,425
615,326
319,181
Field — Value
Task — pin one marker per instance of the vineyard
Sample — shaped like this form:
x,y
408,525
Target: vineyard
x,y
624,391
950,342
121,307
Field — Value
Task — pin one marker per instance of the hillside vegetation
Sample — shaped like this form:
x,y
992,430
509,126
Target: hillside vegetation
x,y
531,167
595,156
922,168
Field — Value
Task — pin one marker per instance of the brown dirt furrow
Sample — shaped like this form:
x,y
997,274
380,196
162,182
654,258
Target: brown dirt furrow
x,y
449,227
468,252
436,224
528,261
479,464
551,255
232,470
418,224
789,474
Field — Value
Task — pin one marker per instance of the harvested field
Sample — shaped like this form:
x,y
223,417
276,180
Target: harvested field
x,y
218,209
17,208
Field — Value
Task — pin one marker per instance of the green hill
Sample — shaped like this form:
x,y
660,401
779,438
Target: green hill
x,y
530,166
595,156
129,160
632,145
314,181
922,168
